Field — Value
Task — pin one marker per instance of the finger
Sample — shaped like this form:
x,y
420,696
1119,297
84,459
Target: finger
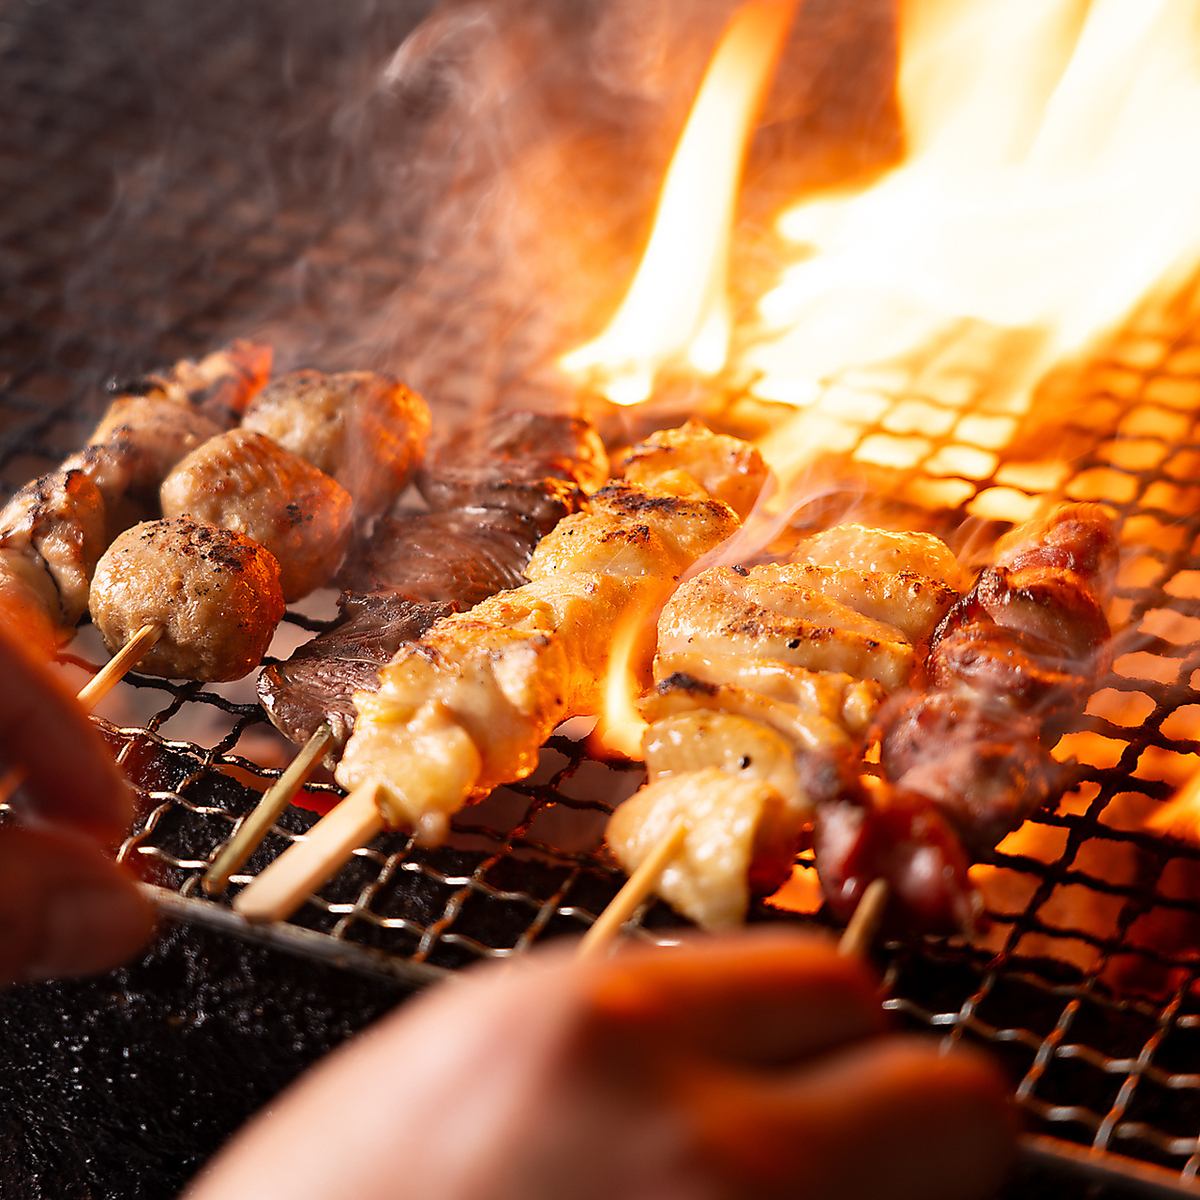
x,y
736,998
71,774
895,1117
65,909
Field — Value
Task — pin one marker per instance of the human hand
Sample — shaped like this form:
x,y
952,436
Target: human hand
x,y
749,1066
65,907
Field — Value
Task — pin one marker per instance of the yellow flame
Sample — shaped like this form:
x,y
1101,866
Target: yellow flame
x,y
620,728
676,311
1047,187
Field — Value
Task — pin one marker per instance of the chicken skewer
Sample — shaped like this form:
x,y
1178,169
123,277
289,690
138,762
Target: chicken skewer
x,y
767,679
469,706
964,761
529,471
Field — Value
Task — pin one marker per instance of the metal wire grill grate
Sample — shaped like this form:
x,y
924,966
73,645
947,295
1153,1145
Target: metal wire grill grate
x,y
1086,983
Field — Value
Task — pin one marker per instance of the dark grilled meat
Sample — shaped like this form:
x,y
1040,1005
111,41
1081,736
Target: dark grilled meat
x,y
537,466
968,761
317,684
467,553
416,569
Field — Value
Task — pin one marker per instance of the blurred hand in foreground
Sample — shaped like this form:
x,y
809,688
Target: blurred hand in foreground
x,y
65,907
749,1066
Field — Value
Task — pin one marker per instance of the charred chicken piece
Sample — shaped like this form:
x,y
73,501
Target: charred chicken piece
x,y
220,386
968,761
246,482
215,594
539,467
412,571
469,706
58,521
882,551
158,420
316,685
366,430
770,676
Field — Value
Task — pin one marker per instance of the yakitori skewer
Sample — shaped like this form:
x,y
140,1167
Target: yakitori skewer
x,y
493,495
468,706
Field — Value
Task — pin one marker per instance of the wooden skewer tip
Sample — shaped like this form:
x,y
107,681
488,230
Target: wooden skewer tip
x,y
255,826
637,888
313,859
864,924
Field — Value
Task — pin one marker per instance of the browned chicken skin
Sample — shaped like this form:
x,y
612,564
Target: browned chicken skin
x,y
215,593
246,482
366,430
58,520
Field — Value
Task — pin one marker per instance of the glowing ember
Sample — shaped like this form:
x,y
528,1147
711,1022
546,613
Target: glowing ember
x,y
1044,189
676,312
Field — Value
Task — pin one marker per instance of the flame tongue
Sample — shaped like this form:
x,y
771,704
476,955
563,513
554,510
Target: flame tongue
x,y
1045,188
676,312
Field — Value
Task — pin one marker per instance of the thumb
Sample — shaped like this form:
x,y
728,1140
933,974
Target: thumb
x,y
65,909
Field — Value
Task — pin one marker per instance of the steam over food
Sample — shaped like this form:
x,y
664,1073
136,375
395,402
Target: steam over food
x,y
246,482
366,430
215,593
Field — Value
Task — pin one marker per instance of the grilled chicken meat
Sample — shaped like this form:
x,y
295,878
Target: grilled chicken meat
x,y
967,761
367,431
469,705
214,592
766,680
58,522
492,467
417,568
151,434
246,482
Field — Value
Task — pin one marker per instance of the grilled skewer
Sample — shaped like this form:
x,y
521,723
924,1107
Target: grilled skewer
x,y
420,568
766,681
968,760
469,706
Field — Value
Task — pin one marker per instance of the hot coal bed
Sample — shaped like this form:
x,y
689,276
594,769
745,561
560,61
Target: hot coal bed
x,y
178,174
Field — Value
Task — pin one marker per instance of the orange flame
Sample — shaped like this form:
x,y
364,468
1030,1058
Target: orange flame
x,y
1045,188
676,311
1180,816
620,728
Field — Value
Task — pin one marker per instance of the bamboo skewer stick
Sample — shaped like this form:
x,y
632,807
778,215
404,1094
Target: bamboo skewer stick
x,y
637,887
255,825
864,924
96,688
310,861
